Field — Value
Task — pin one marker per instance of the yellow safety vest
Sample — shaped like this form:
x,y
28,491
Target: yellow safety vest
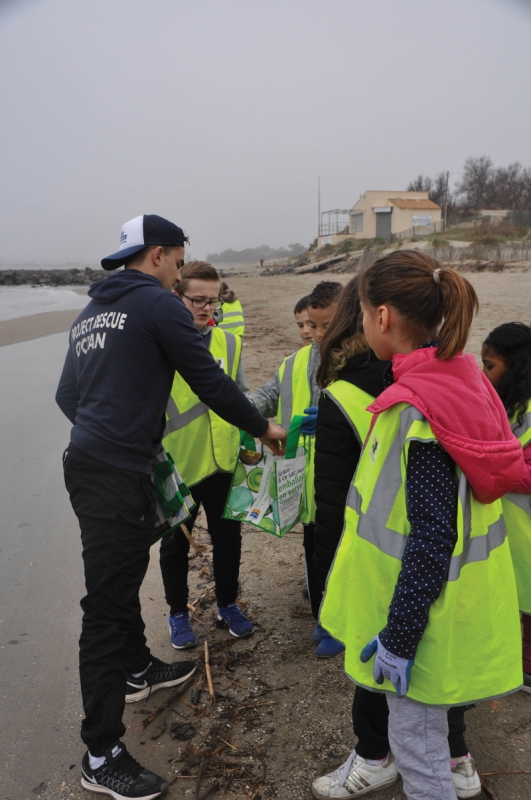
x,y
471,648
517,513
295,396
353,402
199,441
232,318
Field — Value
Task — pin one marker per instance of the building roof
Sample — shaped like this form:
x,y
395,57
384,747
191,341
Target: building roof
x,y
410,203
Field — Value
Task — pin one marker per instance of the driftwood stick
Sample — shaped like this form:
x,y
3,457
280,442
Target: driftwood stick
x,y
196,605
200,773
207,792
209,676
158,711
161,731
198,548
511,772
521,725
490,793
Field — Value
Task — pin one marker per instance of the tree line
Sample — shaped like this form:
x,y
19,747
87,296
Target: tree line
x,y
482,186
251,254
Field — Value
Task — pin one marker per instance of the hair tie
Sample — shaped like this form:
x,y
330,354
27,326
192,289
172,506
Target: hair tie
x,y
436,276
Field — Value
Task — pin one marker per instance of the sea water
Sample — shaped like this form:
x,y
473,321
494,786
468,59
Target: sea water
x,y
23,301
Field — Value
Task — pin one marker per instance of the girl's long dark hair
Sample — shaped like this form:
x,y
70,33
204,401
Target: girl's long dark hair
x,y
512,341
344,338
430,297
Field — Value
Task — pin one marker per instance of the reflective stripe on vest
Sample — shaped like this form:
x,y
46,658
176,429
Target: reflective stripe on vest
x,y
517,513
295,396
353,402
199,441
471,647
295,386
177,419
372,525
232,318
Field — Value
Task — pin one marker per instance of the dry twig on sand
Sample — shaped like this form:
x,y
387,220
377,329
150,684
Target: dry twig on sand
x,y
209,676
510,772
521,725
196,605
209,790
490,793
158,711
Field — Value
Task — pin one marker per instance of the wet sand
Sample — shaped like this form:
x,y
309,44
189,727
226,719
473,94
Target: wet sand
x,y
22,329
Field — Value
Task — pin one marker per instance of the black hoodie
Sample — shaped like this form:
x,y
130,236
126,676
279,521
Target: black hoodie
x,y
337,452
125,347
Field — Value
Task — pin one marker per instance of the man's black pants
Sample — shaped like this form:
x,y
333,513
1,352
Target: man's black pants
x,y
370,720
226,547
116,512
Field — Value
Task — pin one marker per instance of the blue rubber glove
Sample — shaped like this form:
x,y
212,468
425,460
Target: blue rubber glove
x,y
387,665
309,422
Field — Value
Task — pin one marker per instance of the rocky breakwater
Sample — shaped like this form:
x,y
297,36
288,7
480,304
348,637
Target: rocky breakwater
x,y
51,277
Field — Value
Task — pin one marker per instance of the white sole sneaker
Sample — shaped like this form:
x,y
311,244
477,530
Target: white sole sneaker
x,y
466,779
355,778
149,689
92,787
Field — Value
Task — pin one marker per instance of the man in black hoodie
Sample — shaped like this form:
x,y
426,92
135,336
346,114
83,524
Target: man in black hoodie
x,y
125,347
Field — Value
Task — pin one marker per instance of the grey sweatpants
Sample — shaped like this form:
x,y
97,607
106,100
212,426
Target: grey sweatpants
x,y
418,735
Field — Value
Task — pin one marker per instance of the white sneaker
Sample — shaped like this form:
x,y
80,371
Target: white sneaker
x,y
355,778
466,778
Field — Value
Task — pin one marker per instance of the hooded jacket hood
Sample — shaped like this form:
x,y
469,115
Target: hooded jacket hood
x,y
113,288
466,415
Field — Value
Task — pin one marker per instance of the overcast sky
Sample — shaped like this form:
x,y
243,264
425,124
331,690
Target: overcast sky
x,y
221,114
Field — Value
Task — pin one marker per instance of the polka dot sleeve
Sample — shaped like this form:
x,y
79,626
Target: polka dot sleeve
x,y
431,492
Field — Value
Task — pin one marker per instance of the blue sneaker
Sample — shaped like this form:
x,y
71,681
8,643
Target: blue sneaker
x,y
238,625
181,635
317,634
328,647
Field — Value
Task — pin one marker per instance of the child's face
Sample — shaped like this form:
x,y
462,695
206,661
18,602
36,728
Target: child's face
x,y
303,324
197,293
494,365
319,320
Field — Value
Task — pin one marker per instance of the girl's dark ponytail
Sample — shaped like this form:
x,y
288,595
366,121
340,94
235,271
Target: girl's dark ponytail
x,y
426,295
459,305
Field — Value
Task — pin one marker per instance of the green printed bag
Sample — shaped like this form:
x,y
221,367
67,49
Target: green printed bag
x,y
174,501
267,490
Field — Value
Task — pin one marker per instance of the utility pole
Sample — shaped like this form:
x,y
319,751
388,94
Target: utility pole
x,y
318,206
446,201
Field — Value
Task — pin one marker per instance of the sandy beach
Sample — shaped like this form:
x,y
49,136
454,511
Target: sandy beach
x,y
281,717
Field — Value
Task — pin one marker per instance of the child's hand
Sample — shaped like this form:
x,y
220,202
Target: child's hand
x,y
389,666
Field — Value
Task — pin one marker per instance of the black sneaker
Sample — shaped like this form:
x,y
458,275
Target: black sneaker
x,y
158,676
121,776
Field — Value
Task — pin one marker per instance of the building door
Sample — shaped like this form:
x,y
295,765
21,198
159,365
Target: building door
x,y
383,224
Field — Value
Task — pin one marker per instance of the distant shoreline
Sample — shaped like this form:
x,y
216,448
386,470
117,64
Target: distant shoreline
x,y
22,329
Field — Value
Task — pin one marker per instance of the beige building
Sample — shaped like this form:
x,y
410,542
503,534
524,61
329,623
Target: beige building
x,y
383,214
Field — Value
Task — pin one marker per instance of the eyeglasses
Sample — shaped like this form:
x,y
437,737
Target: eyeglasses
x,y
200,302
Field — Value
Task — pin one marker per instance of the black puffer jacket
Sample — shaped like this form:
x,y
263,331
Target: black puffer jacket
x,y
337,452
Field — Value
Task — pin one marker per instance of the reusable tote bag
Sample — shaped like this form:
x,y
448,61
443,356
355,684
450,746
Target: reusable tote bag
x,y
268,490
174,501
